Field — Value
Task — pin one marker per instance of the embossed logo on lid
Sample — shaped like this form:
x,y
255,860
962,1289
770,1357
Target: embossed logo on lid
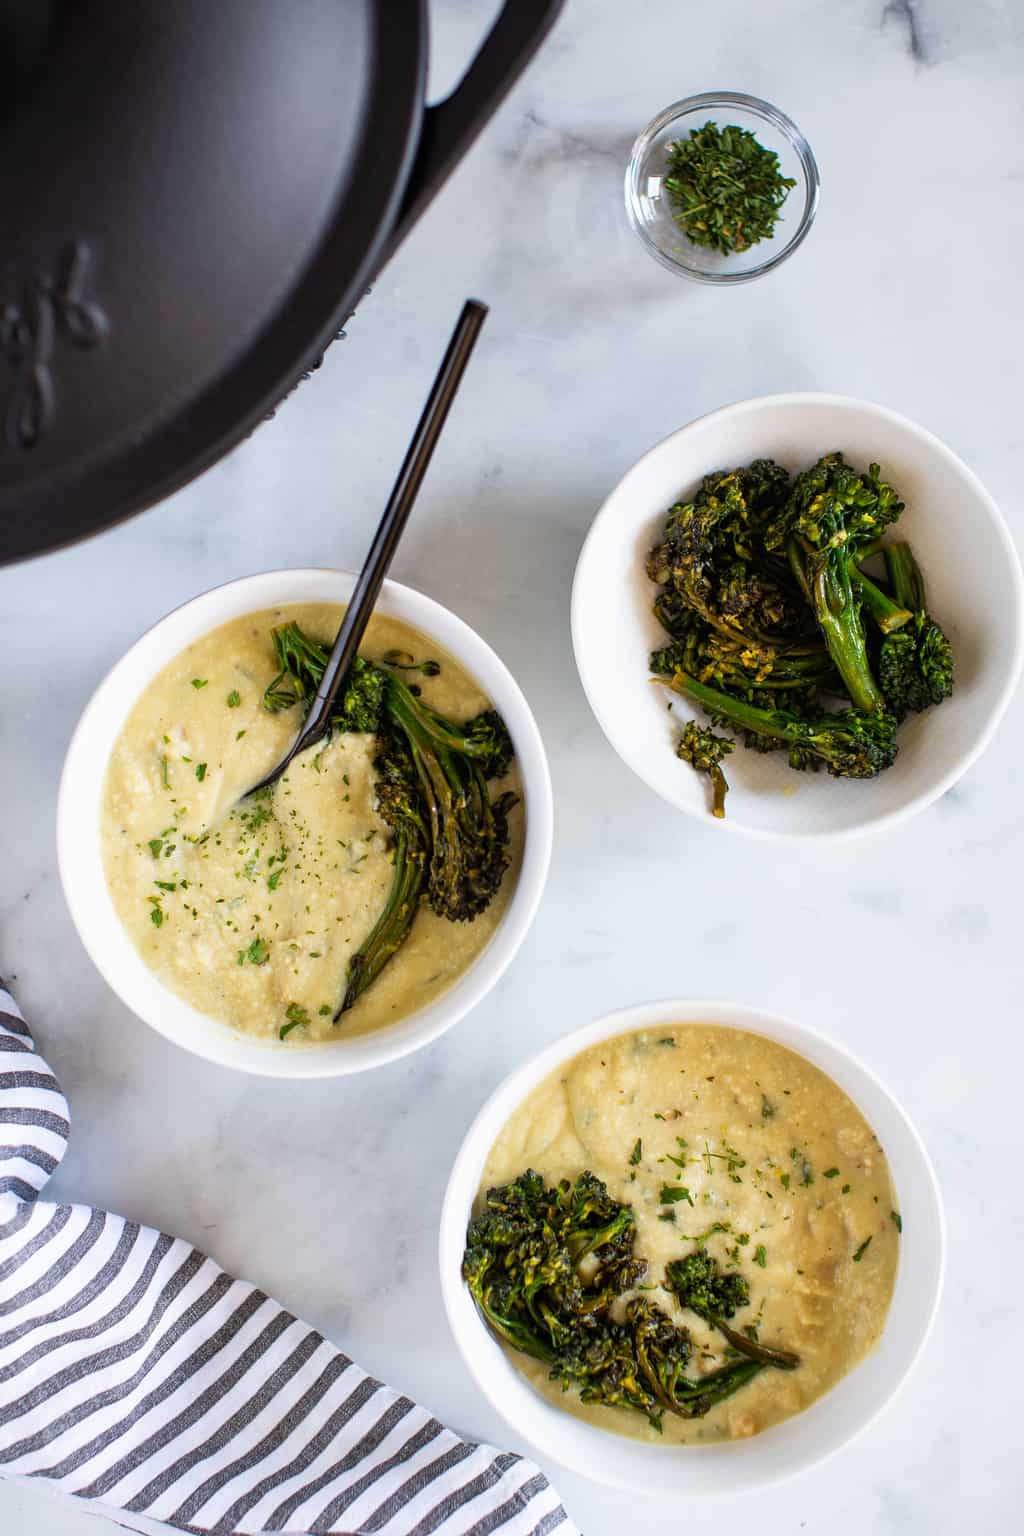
x,y
36,310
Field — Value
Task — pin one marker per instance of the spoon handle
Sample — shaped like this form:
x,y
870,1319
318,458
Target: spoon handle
x,y
389,530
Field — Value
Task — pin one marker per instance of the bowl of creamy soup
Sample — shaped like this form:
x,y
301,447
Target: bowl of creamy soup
x,y
691,1246
362,905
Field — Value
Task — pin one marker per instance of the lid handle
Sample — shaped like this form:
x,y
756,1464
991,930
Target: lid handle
x,y
450,127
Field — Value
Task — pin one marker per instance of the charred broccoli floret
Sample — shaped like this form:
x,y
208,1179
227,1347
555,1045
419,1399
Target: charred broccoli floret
x,y
915,665
711,559
600,1360
303,660
549,1268
543,1263
850,744
832,514
716,1295
740,667
699,1283
468,831
703,750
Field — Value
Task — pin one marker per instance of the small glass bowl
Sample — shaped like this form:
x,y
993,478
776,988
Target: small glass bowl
x,y
650,211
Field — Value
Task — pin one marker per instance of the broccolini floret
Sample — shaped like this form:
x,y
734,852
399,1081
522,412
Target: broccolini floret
x,y
716,1295
831,515
712,562
915,665
851,744
542,1262
703,750
550,1269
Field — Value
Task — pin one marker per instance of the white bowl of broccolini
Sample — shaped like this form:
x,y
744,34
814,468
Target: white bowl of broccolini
x,y
854,606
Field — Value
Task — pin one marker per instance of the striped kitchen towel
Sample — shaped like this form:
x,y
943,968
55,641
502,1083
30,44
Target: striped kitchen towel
x,y
136,1375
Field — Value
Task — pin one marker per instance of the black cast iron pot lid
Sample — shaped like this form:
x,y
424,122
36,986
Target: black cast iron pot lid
x,y
192,197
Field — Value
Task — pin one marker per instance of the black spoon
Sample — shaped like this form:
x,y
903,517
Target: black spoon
x,y
389,531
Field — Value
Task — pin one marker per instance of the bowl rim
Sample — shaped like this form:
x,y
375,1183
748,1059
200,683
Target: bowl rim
x,y
468,1329
796,399
757,107
84,883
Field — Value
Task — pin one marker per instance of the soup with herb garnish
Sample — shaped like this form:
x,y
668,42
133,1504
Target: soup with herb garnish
x,y
706,1241
253,912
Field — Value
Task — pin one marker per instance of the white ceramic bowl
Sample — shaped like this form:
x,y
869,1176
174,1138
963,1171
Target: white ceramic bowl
x,y
974,589
78,827
787,1448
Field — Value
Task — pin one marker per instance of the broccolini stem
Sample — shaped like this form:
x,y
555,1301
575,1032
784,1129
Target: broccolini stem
x,y
796,565
519,1336
782,1359
719,790
717,1385
905,575
889,616
391,929
838,616
763,722
418,720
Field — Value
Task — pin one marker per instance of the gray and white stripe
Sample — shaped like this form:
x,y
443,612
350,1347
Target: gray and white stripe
x,y
138,1376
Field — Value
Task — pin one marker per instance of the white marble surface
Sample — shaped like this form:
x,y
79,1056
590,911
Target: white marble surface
x,y
906,946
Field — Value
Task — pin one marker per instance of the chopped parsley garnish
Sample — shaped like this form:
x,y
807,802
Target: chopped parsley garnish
x,y
163,772
155,845
862,1250
296,1015
729,1156
671,1194
831,1173
725,189
156,915
200,682
761,1255
200,771
767,1107
234,699
274,879
324,1010
637,1152
897,1220
258,953
700,1238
